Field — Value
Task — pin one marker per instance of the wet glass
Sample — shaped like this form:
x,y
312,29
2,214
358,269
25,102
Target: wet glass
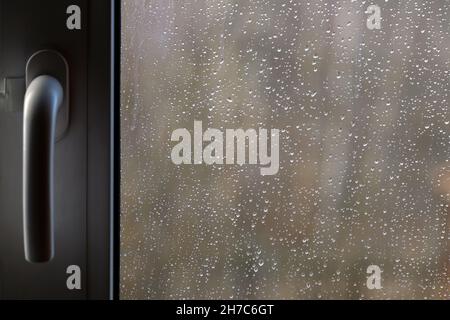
x,y
359,92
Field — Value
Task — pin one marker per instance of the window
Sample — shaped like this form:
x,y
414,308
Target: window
x,y
358,92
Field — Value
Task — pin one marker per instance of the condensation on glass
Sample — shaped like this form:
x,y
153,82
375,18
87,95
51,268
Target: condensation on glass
x,y
364,176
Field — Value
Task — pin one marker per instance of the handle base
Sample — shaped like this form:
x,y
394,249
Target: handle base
x,y
50,62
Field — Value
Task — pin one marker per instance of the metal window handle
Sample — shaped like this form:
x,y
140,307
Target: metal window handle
x,y
45,98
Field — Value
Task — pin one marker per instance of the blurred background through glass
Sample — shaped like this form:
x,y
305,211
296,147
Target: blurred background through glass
x,y
364,173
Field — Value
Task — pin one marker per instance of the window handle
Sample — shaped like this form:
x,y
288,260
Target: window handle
x,y
44,98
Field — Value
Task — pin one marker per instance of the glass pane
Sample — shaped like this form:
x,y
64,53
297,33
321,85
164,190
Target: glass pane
x,y
355,203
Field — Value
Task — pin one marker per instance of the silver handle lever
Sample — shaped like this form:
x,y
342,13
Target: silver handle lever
x,y
46,118
43,99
